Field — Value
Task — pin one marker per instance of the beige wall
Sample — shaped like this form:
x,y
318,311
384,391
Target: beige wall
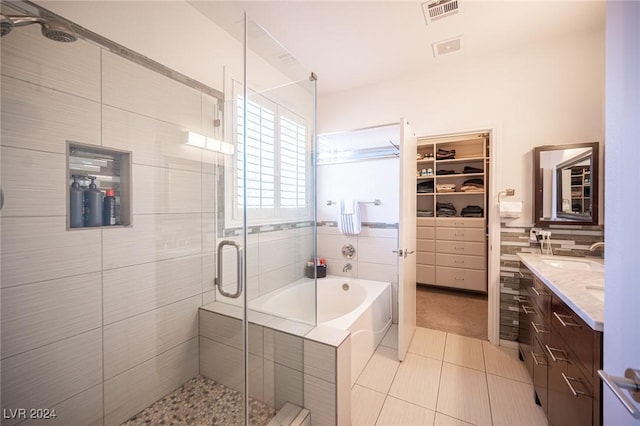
x,y
543,94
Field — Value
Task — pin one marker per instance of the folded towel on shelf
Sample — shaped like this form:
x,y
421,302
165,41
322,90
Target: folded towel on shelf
x,y
445,187
472,211
475,181
349,221
445,172
445,209
425,213
471,188
445,154
469,169
425,187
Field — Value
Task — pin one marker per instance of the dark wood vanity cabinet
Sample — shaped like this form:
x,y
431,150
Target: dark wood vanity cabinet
x,y
562,354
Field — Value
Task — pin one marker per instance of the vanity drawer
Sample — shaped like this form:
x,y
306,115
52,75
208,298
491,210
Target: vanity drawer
x,y
425,274
425,258
425,245
425,233
459,247
541,297
460,261
460,234
466,279
570,397
577,334
460,222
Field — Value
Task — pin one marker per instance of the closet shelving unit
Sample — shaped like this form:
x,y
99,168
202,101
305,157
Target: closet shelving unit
x,y
452,250
581,189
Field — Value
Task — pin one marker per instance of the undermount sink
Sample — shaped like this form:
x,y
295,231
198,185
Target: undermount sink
x,y
574,264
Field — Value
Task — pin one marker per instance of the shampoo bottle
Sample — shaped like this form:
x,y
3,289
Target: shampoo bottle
x,y
76,200
93,203
109,209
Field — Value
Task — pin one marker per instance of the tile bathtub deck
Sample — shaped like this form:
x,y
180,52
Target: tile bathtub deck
x,y
446,379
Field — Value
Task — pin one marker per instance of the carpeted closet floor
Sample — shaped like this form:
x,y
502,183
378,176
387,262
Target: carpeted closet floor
x,y
457,312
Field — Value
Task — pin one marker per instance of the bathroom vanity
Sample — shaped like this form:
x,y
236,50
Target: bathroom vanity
x,y
561,320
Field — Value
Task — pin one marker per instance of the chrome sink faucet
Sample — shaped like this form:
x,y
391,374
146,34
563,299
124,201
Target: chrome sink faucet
x,y
595,246
347,267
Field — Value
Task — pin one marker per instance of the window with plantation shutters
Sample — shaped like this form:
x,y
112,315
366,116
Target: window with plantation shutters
x,y
261,161
292,164
276,161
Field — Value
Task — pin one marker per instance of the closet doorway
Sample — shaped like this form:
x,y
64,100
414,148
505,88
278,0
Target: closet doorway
x,y
452,233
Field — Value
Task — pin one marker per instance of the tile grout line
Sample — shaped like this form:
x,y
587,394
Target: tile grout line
x,y
486,380
444,348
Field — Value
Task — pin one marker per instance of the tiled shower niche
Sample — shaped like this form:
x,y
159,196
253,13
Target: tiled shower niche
x,y
111,169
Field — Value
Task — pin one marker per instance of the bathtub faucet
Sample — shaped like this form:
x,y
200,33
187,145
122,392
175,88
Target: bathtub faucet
x,y
347,267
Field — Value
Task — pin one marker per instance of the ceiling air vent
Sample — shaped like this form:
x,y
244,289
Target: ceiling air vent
x,y
447,46
439,9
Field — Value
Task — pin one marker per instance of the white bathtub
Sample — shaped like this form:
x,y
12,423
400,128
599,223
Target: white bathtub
x,y
362,307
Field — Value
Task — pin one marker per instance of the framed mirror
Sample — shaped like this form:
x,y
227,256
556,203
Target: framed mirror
x,y
565,179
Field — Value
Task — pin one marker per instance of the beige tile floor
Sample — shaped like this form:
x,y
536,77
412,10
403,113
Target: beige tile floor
x,y
445,380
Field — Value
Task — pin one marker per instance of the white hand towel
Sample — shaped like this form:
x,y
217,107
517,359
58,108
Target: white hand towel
x,y
349,223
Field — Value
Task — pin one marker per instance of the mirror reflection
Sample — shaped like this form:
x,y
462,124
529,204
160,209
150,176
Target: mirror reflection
x,y
566,184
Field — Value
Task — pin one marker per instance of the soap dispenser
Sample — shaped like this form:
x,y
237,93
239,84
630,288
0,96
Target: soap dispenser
x,y
76,207
93,203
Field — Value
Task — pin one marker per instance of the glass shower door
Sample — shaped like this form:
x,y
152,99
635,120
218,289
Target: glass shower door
x,y
266,229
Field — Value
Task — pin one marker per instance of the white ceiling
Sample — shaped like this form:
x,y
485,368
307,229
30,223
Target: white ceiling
x,y
350,44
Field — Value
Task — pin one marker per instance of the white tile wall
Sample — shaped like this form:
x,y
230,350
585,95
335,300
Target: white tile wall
x,y
45,376
152,238
40,248
134,340
74,68
222,363
320,400
163,190
84,408
288,386
130,392
35,315
41,175
130,87
320,360
153,142
43,119
141,288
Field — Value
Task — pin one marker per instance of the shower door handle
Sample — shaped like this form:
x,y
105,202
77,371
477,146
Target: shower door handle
x,y
240,258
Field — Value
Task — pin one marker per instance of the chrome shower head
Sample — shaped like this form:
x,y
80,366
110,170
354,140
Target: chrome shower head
x,y
57,31
6,25
53,30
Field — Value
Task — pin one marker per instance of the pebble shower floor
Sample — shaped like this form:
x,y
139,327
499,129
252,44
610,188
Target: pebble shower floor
x,y
202,401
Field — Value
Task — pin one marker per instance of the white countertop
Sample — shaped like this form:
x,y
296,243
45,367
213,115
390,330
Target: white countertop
x,y
571,286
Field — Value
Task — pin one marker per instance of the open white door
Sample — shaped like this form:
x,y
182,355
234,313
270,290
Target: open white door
x,y
407,240
622,201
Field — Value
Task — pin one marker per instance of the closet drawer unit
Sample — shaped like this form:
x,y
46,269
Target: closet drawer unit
x,y
426,221
460,222
460,234
466,279
427,233
460,261
425,258
425,245
459,247
425,274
